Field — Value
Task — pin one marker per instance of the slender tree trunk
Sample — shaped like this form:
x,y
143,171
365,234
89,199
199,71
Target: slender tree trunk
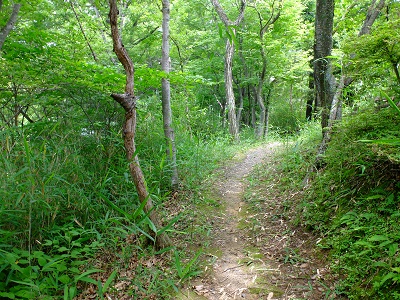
x,y
166,96
229,52
262,100
332,98
240,109
253,116
242,90
266,121
373,12
395,64
229,93
128,102
323,78
310,97
5,31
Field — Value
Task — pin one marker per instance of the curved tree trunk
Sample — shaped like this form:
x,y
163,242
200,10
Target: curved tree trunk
x,y
166,97
128,102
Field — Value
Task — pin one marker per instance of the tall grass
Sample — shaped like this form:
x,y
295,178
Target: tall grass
x,y
66,193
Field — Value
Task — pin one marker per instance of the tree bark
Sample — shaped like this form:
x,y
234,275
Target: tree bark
x,y
166,96
241,92
310,97
229,52
5,31
230,95
373,12
128,102
335,108
323,78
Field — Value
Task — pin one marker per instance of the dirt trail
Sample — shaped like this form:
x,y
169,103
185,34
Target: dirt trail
x,y
257,264
232,278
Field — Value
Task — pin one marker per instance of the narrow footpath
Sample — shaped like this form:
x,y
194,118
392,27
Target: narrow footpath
x,y
260,254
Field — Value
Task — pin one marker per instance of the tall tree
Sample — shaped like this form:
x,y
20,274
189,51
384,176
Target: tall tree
x,y
263,100
128,101
323,77
5,31
229,52
166,95
335,110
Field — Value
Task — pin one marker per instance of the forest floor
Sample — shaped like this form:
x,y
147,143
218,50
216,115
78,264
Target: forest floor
x,y
256,251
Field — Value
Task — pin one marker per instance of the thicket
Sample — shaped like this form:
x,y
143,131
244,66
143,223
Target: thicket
x,y
353,200
67,199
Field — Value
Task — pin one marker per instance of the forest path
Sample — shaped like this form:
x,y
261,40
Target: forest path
x,y
258,255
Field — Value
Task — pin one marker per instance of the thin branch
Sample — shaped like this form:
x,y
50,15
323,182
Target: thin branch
x,y
146,36
83,32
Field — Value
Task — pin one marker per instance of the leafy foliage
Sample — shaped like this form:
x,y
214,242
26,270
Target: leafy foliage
x,y
353,202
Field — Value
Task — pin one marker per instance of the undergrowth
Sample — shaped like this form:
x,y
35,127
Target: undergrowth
x,y
353,202
71,221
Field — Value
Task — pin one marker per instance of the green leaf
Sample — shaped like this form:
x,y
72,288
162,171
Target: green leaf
x,y
378,238
83,277
115,207
365,244
391,103
7,295
192,261
380,264
164,250
51,264
66,296
42,261
387,277
64,279
172,222
139,210
109,280
62,249
393,249
178,264
25,294
87,279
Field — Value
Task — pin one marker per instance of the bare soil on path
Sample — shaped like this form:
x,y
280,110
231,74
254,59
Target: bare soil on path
x,y
260,255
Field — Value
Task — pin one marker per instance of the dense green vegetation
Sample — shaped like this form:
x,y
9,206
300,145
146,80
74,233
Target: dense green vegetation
x,y
353,201
67,201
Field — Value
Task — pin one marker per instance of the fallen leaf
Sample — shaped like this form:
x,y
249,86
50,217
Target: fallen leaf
x,y
199,287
